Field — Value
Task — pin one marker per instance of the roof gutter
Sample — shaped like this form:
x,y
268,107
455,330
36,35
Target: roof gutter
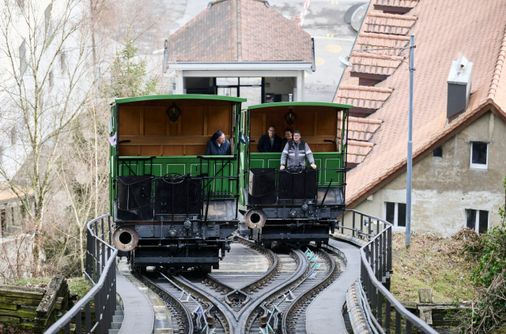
x,y
241,66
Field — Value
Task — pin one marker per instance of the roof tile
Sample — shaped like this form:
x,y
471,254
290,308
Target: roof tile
x,y
441,37
394,24
382,44
497,90
362,62
397,3
240,31
358,151
363,97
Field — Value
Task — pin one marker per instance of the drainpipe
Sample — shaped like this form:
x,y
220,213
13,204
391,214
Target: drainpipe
x,y
410,140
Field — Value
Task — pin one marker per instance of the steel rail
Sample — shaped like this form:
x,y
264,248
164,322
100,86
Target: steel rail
x,y
271,271
186,317
226,314
302,267
332,273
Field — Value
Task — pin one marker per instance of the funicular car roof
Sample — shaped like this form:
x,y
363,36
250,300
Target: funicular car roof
x,y
299,104
179,97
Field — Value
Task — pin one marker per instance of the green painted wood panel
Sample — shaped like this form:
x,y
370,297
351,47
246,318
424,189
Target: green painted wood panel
x,y
330,165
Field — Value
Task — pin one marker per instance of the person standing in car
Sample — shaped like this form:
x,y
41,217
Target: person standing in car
x,y
295,153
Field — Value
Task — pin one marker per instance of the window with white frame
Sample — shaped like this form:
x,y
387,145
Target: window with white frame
x,y
395,213
477,220
479,155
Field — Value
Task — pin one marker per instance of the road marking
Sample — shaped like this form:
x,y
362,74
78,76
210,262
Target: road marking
x,y
320,61
333,48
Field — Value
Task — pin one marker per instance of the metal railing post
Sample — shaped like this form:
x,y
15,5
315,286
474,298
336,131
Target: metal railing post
x,y
375,270
101,271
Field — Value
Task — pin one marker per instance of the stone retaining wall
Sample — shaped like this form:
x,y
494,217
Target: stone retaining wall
x,y
33,309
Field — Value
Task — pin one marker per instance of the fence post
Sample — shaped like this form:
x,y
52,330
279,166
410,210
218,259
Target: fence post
x,y
100,269
375,270
90,250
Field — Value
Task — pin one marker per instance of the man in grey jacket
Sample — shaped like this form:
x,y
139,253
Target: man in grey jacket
x,y
295,153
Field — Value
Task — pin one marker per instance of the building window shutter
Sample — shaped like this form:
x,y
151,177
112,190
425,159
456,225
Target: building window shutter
x,y
390,212
471,218
401,217
483,227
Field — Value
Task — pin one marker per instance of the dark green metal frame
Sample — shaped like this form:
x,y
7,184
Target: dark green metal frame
x,y
192,165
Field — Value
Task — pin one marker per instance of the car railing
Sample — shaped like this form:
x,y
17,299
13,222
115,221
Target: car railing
x,y
384,313
94,312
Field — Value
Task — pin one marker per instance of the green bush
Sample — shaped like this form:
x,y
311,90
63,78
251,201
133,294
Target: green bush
x,y
489,276
491,249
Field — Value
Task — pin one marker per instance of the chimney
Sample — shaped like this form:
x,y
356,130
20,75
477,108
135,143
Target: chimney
x,y
459,86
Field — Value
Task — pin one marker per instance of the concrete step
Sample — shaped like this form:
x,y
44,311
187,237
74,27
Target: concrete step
x,y
117,318
113,331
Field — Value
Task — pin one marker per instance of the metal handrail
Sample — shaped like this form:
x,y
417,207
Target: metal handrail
x,y
394,302
100,260
376,265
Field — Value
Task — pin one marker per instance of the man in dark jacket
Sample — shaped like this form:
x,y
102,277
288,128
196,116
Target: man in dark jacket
x,y
218,144
288,137
269,142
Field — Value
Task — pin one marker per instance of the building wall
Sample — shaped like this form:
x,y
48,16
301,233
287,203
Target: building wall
x,y
59,61
444,187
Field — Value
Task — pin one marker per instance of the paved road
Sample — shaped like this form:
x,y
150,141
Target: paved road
x,y
334,38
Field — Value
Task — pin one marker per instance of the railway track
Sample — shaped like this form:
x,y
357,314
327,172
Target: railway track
x,y
182,316
276,298
294,316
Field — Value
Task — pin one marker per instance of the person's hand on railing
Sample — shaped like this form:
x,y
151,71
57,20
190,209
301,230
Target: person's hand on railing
x,y
282,167
313,166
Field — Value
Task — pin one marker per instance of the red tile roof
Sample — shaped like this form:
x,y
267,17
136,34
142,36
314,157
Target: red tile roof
x,y
395,24
363,97
398,5
442,32
231,31
381,44
360,131
357,151
368,63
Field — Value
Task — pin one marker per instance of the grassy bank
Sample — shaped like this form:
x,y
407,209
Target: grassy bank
x,y
432,262
78,286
